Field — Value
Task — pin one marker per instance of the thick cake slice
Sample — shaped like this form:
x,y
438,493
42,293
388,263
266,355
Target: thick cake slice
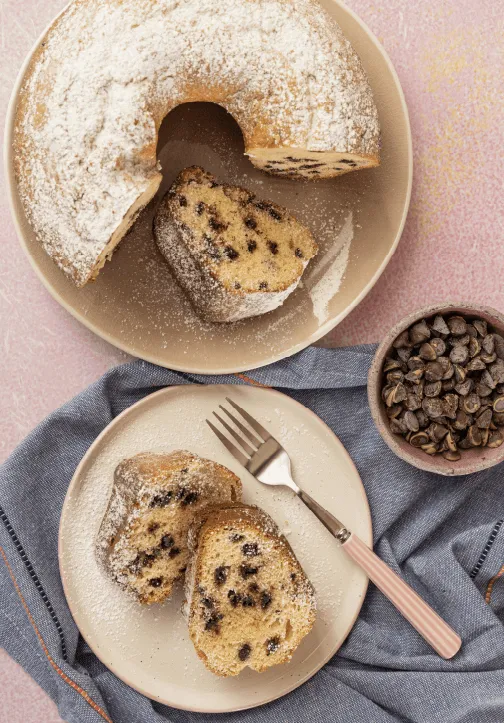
x,y
249,602
143,537
234,255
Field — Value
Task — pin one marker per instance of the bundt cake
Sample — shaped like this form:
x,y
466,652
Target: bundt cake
x,y
143,536
234,255
107,72
249,602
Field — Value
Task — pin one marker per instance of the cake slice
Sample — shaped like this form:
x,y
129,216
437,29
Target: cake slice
x,y
249,602
143,536
234,255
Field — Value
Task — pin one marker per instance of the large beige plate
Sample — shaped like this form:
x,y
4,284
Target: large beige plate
x,y
136,304
149,648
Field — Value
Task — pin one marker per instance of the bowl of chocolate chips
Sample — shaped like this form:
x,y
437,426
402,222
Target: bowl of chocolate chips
x,y
436,389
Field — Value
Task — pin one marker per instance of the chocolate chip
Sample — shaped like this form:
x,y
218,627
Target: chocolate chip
x,y
237,285
213,622
182,200
250,549
253,587
471,403
272,645
161,500
246,571
481,326
141,560
250,223
174,552
231,253
464,388
235,537
434,371
221,574
419,439
263,205
273,247
432,407
216,225
156,581
208,602
298,253
274,214
244,652
294,160
457,325
153,527
265,600
263,285
251,246
312,165
293,576
199,208
248,601
459,355
167,541
234,598
214,184
190,498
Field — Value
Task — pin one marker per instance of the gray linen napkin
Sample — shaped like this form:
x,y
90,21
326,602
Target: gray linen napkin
x,y
445,536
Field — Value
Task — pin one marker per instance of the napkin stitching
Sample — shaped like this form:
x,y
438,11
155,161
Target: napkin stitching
x,y
55,666
491,583
249,380
486,549
40,589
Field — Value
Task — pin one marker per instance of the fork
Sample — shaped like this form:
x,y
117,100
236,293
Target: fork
x,y
265,458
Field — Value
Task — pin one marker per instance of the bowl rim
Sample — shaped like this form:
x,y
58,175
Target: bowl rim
x,y
374,385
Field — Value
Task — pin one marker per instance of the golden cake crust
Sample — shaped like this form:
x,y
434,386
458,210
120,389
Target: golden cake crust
x,y
142,541
108,72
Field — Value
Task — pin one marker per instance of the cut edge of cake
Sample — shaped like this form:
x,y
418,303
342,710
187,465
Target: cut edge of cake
x,y
284,604
142,540
235,256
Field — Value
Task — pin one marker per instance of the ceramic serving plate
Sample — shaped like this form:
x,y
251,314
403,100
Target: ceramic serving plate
x,y
149,647
357,220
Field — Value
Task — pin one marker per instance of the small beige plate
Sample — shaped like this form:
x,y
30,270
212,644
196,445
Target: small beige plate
x,y
136,304
149,648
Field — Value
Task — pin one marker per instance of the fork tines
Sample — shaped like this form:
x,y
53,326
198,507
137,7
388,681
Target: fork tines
x,y
258,428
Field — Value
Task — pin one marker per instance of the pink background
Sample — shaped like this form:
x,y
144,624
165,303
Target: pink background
x,y
449,59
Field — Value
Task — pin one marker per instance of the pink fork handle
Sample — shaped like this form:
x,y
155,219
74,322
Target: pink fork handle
x,y
431,627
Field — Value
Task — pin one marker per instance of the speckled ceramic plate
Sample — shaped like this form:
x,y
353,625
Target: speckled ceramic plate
x,y
357,220
149,647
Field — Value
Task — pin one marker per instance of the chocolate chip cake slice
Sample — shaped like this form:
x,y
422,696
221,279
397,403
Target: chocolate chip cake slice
x,y
234,255
249,602
143,537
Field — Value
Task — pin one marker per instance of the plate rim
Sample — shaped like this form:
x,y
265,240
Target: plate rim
x,y
74,481
321,331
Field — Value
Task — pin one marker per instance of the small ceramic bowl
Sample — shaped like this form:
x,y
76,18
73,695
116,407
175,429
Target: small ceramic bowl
x,y
472,460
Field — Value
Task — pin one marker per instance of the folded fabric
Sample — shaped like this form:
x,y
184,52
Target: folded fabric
x,y
445,536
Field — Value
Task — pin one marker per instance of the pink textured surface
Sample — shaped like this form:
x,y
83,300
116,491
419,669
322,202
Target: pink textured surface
x,y
448,58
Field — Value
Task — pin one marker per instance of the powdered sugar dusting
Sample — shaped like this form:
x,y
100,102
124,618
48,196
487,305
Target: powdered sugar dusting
x,y
324,282
109,71
150,645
